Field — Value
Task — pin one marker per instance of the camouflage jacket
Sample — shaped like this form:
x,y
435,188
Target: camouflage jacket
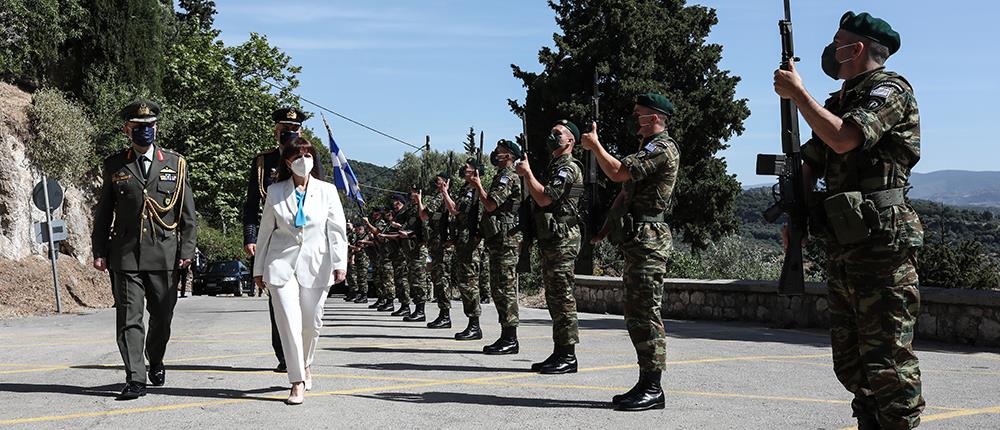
x,y
881,104
469,214
438,222
564,185
506,192
654,173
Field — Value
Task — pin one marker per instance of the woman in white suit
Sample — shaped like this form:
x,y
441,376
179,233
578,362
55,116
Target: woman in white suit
x,y
301,251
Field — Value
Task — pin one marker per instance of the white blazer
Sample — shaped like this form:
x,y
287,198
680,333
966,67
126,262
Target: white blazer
x,y
310,253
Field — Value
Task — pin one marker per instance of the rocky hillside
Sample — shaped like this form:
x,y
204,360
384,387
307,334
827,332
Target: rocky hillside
x,y
19,255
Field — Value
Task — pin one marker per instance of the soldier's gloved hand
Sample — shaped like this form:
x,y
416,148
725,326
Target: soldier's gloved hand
x,y
100,264
250,249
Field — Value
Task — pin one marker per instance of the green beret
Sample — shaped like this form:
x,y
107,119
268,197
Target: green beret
x,y
288,115
399,198
572,128
472,161
655,102
513,147
444,175
873,28
140,111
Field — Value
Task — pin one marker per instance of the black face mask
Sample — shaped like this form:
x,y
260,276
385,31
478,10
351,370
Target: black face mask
x,y
828,60
288,136
553,143
143,135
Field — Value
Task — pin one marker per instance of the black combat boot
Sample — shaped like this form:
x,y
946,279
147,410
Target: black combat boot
x,y
378,303
649,394
506,344
362,298
564,361
618,397
442,321
387,306
404,310
868,423
535,367
349,297
472,332
417,315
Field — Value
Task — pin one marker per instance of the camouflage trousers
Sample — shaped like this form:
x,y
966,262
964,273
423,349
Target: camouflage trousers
x,y
874,305
466,265
357,274
503,276
645,270
558,257
400,273
485,278
416,270
440,276
384,285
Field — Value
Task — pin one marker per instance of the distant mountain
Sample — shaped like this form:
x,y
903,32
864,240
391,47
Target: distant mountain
x,y
957,187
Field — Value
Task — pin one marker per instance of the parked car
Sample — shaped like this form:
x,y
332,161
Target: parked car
x,y
223,277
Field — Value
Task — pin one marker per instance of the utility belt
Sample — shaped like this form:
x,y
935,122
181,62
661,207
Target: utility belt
x,y
622,228
854,217
496,224
549,225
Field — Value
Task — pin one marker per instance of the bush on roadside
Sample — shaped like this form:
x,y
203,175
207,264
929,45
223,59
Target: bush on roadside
x,y
62,146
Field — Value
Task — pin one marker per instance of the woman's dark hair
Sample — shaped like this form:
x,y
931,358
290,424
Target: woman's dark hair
x,y
300,145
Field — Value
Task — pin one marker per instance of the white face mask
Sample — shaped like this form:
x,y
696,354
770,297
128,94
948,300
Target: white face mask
x,y
302,166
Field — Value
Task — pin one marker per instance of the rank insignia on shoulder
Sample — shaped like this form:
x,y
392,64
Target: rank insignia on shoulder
x,y
168,177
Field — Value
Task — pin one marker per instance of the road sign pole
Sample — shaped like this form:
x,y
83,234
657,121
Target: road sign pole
x,y
52,244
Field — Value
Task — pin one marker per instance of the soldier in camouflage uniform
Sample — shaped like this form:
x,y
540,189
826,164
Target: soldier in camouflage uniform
x,y
435,214
467,212
866,140
484,275
391,250
502,239
352,289
637,225
413,235
359,265
382,272
399,247
557,229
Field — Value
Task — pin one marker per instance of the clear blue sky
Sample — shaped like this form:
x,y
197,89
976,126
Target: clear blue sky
x,y
437,67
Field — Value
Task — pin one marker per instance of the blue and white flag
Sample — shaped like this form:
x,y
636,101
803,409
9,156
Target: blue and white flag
x,y
343,176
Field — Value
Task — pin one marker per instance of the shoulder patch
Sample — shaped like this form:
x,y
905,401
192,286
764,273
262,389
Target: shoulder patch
x,y
504,180
880,92
650,147
564,172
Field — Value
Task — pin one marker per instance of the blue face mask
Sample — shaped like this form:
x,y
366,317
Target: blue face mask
x,y
143,135
288,136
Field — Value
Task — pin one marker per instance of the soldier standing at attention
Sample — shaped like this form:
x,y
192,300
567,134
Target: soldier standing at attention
x,y
637,225
144,231
557,228
400,246
263,172
361,250
435,214
866,140
382,267
464,232
501,239
414,236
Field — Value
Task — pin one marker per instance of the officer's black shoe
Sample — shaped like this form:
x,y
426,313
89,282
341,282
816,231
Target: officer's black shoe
x,y
132,391
281,368
535,367
388,306
562,363
361,299
472,332
378,303
157,375
442,321
418,314
648,396
506,344
403,311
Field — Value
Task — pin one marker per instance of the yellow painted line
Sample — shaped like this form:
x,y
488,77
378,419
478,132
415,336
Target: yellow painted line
x,y
121,411
37,369
950,415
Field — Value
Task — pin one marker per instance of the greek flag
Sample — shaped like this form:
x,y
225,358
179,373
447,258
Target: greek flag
x,y
343,176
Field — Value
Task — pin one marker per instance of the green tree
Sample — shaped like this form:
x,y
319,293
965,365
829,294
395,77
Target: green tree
x,y
640,46
31,34
471,145
62,134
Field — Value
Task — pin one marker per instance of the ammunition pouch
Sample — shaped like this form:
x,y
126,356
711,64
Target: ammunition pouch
x,y
854,217
621,229
551,226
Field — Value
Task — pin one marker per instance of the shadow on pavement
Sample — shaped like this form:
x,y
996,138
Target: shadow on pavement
x,y
178,367
483,399
113,389
367,349
385,336
434,367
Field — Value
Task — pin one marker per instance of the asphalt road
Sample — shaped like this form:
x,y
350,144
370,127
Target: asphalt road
x,y
375,371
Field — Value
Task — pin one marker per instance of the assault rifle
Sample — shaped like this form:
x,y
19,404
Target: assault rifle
x,y
591,220
525,212
789,192
473,218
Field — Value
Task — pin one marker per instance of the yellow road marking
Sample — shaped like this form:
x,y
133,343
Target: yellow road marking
x,y
121,411
37,369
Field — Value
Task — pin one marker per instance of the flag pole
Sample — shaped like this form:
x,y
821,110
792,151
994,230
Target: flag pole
x,y
329,133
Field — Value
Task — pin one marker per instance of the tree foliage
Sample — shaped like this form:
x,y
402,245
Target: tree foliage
x,y
640,46
62,146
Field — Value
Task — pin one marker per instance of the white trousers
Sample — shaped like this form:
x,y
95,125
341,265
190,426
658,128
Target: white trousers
x,y
298,313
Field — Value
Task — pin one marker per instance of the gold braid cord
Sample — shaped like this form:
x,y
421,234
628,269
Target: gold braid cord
x,y
260,177
155,210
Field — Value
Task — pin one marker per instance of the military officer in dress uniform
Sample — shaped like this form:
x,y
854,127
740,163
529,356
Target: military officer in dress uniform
x,y
263,171
144,231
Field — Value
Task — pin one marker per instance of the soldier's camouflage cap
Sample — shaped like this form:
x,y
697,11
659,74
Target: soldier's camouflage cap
x,y
863,24
288,115
140,111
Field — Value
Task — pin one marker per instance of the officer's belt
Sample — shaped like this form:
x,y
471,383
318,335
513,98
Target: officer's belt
x,y
887,198
660,217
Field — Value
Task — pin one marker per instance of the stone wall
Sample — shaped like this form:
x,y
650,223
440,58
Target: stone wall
x,y
952,315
